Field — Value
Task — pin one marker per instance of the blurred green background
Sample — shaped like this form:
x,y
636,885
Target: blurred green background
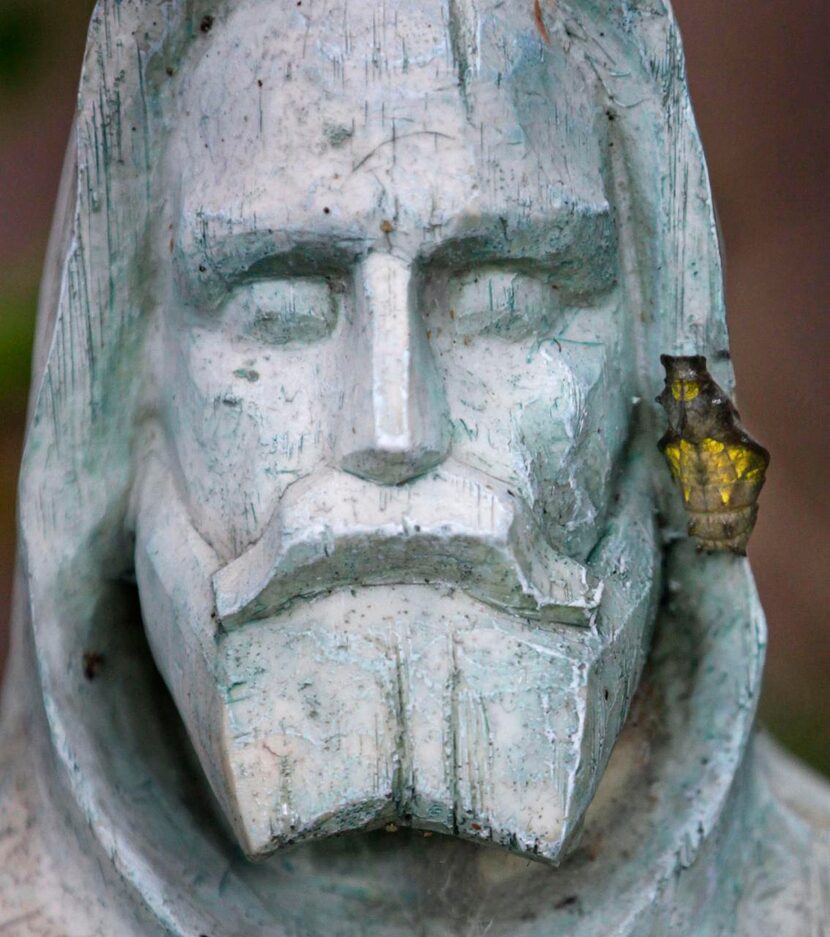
x,y
760,77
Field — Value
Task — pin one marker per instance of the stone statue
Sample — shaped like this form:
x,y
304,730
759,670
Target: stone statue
x,y
354,596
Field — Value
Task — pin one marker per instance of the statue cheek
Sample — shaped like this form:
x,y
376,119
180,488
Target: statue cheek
x,y
245,422
568,456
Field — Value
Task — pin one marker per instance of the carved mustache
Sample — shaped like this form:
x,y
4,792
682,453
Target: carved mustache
x,y
455,526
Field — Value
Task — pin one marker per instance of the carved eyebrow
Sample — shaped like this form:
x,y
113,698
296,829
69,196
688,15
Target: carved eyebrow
x,y
578,245
213,253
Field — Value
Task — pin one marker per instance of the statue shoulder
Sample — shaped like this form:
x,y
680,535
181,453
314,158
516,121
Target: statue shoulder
x,y
22,909
28,884
51,884
799,789
787,878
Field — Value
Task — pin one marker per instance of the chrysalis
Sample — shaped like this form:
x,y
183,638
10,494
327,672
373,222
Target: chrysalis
x,y
719,467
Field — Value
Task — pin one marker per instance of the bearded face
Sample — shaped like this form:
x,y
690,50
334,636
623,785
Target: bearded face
x,y
393,539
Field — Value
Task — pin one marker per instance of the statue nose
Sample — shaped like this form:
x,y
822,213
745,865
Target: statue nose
x,y
396,423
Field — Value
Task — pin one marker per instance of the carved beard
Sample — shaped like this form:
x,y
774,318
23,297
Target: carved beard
x,y
420,680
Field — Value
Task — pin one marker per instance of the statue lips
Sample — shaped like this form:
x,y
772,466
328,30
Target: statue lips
x,y
454,526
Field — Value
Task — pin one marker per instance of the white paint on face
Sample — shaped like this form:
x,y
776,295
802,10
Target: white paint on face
x,y
321,175
373,274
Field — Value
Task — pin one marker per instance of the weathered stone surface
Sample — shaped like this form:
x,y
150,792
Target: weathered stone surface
x,y
345,543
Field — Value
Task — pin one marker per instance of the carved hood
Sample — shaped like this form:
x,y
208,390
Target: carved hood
x,y
117,759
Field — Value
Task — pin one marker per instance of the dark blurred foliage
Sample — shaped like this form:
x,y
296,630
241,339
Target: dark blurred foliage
x,y
21,41
22,45
16,334
760,77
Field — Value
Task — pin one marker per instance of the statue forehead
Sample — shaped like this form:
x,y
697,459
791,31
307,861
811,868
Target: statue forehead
x,y
285,109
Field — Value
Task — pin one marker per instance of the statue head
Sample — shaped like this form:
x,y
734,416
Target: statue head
x,y
353,329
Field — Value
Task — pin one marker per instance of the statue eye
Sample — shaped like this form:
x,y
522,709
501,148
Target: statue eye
x,y
275,312
502,303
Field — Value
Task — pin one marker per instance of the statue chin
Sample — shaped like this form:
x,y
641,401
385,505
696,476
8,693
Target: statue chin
x,y
414,704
